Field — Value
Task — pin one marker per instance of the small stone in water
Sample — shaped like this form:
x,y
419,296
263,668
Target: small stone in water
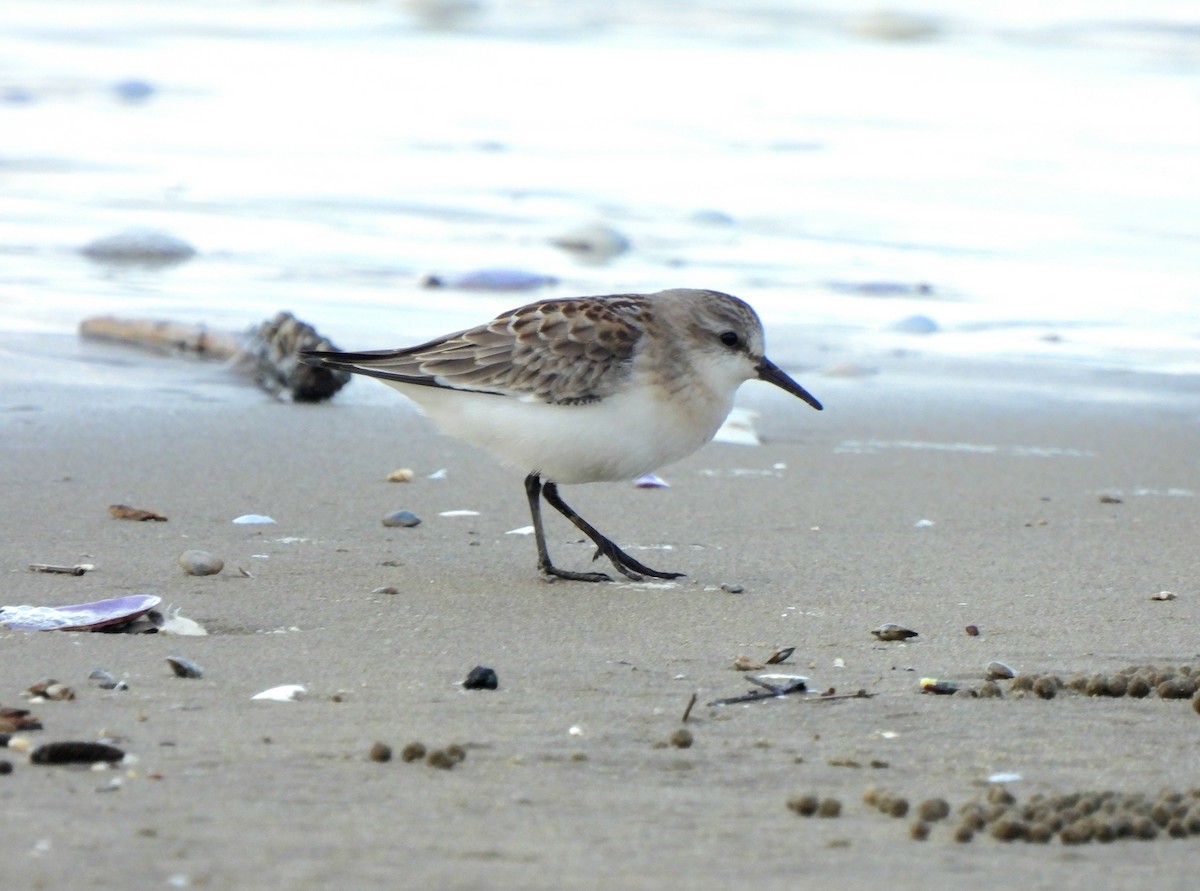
x,y
149,247
481,678
197,562
402,518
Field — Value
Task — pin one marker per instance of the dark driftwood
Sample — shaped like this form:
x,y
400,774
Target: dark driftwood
x,y
269,352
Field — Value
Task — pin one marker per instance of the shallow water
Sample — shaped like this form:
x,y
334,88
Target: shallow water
x,y
1024,177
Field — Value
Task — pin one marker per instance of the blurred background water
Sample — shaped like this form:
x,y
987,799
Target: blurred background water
x,y
1015,183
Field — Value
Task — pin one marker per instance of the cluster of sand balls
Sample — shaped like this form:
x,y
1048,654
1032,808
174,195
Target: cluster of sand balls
x,y
1076,818
444,759
1136,681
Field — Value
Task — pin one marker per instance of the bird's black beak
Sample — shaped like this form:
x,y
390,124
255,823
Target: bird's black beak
x,y
768,371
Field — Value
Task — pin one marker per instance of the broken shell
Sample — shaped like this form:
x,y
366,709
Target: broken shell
x,y
781,655
282,693
933,685
892,631
401,475
1164,595
60,692
998,671
125,512
184,668
404,518
745,663
196,562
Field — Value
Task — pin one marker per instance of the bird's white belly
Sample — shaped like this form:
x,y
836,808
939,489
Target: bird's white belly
x,y
618,438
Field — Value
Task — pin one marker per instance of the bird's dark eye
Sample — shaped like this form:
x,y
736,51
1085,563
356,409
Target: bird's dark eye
x,y
730,339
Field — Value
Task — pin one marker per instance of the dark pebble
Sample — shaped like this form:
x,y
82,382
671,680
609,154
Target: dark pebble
x,y
75,753
481,678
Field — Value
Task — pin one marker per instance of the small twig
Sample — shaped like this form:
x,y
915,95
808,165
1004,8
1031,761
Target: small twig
x,y
77,569
687,711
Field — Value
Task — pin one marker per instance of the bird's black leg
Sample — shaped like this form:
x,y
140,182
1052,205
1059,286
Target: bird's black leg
x,y
625,564
533,489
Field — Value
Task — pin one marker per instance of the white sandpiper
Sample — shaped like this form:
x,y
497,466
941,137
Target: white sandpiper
x,y
585,389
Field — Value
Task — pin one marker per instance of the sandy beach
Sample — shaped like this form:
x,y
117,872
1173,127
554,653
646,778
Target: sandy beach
x,y
932,503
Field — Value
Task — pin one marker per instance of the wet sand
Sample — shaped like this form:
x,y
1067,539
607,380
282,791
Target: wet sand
x,y
820,526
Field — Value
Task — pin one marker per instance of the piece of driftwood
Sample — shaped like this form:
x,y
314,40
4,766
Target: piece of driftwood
x,y
269,352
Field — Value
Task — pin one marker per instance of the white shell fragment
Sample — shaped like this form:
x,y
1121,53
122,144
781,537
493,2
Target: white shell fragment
x,y
181,626
520,530
1164,595
459,513
401,475
651,481
283,693
253,520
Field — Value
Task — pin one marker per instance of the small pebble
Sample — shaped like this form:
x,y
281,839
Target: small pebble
x,y
5,767
732,589
973,631
184,668
75,753
414,751
403,518
481,678
380,752
682,738
896,807
147,247
195,562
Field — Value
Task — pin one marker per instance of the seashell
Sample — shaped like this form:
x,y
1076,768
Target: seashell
x,y
401,475
892,631
79,616
196,562
733,588
184,668
917,324
386,589
998,671
253,520
404,518
459,513
651,481
76,753
1164,595
481,678
781,655
282,693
